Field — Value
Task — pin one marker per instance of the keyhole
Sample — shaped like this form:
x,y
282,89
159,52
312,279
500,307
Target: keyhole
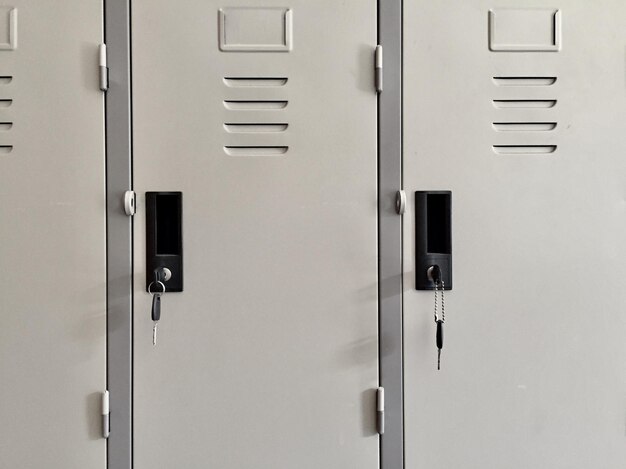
x,y
434,274
164,273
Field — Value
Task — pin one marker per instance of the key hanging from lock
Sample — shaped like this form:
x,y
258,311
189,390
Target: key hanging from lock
x,y
160,275
156,315
434,274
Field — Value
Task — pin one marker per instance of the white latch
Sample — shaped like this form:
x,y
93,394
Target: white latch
x,y
129,203
400,202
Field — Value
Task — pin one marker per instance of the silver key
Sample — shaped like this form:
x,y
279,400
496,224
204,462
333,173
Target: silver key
x,y
156,315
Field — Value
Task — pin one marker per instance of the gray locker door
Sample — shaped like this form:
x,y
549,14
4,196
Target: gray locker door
x,y
518,107
52,236
265,119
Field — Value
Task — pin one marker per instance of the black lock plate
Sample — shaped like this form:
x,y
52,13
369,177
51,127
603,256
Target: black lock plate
x,y
164,237
433,237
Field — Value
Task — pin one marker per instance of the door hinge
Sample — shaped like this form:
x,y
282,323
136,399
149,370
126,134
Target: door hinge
x,y
130,203
380,410
104,70
106,415
378,68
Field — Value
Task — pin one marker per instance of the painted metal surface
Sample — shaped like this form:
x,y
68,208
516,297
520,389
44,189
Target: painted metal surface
x,y
390,233
119,233
532,368
52,232
271,352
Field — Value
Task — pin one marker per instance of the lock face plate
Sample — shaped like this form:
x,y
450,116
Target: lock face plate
x,y
164,237
433,237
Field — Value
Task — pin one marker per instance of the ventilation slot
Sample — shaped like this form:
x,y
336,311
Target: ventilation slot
x,y
524,149
246,82
524,103
253,128
524,126
255,151
255,105
521,131
257,126
6,125
524,81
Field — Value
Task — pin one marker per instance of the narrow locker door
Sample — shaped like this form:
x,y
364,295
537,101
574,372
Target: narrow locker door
x,y
52,235
255,165
517,108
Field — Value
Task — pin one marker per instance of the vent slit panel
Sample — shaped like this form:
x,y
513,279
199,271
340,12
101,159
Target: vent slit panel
x,y
524,103
253,128
524,149
524,126
251,132
528,112
256,150
524,81
255,105
236,82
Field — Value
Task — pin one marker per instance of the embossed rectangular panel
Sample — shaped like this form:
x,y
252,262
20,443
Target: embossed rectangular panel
x,y
525,29
255,29
8,28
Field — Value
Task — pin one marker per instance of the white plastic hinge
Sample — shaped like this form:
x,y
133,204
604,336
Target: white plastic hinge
x,y
378,68
103,67
106,415
130,204
400,202
380,410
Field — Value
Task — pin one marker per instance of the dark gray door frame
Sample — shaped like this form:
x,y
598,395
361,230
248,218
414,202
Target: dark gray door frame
x,y
120,233
390,233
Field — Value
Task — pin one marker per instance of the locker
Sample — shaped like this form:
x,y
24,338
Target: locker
x,y
52,235
516,107
254,166
272,250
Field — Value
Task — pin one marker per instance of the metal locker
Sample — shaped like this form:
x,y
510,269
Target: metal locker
x,y
517,108
264,119
52,232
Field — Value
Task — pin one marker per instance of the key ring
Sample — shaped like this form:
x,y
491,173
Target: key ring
x,y
156,292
